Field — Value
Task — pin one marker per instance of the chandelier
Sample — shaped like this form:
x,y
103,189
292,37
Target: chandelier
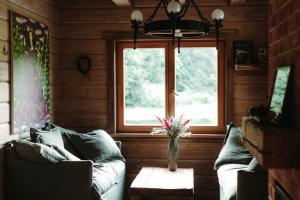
x,y
175,26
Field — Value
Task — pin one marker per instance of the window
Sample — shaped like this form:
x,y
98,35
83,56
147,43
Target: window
x,y
156,80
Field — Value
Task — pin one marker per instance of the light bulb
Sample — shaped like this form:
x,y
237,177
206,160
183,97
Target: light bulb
x,y
136,16
173,7
217,14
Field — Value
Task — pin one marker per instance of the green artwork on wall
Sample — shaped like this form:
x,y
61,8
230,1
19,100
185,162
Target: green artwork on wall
x,y
30,73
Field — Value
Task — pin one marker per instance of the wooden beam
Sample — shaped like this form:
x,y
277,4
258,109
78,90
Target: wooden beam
x,y
122,3
238,2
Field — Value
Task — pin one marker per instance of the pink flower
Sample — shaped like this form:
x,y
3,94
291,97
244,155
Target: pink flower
x,y
160,121
166,124
186,122
181,116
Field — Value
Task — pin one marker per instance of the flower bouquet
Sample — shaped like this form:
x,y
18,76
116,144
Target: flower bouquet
x,y
174,128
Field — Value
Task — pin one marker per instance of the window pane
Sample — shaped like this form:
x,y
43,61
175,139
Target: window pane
x,y
144,77
196,85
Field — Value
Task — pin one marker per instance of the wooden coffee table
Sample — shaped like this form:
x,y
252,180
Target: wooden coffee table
x,y
156,182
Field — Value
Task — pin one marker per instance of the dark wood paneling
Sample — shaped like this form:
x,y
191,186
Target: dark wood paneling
x,y
81,122
74,77
69,92
250,89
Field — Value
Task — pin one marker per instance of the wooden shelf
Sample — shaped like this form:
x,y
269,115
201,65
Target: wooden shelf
x,y
273,147
250,70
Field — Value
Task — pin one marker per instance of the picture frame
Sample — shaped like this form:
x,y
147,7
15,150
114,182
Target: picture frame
x,y
279,99
243,52
30,73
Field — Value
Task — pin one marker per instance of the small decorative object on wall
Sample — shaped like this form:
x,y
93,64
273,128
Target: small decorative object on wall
x,y
174,128
242,52
84,64
4,51
262,56
30,73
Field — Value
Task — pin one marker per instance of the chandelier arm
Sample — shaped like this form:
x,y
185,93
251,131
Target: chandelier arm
x,y
150,19
185,8
199,12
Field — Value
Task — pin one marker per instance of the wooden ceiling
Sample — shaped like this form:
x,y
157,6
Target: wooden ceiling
x,y
152,3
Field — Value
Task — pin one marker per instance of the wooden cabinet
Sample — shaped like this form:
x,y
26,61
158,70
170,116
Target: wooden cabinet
x,y
250,89
273,147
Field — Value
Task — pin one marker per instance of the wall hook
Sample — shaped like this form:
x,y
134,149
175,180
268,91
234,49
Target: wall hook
x,y
4,51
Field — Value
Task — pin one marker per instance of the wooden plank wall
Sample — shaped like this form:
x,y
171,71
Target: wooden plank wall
x,y
250,89
284,48
44,11
82,103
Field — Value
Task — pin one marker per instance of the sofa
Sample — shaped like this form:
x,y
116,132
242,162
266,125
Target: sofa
x,y
240,176
65,179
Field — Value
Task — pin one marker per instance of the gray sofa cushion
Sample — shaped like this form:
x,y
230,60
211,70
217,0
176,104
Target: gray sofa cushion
x,y
36,152
233,151
52,136
97,146
106,175
227,175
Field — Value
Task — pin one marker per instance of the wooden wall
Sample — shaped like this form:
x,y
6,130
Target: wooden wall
x,y
44,11
82,103
250,89
284,47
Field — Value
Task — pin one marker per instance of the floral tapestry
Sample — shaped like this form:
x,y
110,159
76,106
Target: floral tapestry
x,y
30,73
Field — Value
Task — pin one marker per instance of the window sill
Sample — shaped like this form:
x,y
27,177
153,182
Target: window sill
x,y
148,137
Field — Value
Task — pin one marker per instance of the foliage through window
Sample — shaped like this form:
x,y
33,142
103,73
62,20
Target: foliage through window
x,y
156,80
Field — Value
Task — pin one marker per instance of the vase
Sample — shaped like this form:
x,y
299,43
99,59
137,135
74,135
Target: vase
x,y
173,154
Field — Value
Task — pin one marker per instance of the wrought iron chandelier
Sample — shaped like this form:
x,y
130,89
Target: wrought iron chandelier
x,y
175,26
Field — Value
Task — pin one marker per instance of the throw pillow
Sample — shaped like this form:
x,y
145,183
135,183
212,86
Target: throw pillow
x,y
37,152
97,146
228,128
66,154
67,142
52,136
233,151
